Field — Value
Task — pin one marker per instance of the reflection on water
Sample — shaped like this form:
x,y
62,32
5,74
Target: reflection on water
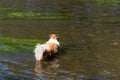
x,y
90,50
38,67
44,68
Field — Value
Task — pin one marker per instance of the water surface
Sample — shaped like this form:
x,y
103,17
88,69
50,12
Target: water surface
x,y
90,51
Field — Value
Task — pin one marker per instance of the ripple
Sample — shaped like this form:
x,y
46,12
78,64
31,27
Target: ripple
x,y
4,70
11,61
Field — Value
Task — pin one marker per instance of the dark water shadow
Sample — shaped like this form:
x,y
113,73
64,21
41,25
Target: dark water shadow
x,y
64,48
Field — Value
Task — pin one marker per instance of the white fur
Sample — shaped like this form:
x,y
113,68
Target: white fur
x,y
53,41
39,50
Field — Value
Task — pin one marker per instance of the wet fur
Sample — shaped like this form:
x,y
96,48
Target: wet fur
x,y
49,49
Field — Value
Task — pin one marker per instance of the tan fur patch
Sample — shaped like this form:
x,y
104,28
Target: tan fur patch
x,y
52,47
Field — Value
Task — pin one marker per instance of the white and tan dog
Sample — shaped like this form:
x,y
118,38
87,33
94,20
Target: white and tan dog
x,y
51,47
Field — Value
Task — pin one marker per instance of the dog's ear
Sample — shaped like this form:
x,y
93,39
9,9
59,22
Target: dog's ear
x,y
57,35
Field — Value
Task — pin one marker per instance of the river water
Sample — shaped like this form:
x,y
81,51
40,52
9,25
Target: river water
x,y
91,50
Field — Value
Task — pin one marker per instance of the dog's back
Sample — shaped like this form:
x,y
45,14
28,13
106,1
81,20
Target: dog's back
x,y
50,48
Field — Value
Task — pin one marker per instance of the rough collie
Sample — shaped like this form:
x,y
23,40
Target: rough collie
x,y
50,48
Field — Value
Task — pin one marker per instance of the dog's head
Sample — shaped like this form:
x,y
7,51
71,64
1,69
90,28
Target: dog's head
x,y
54,36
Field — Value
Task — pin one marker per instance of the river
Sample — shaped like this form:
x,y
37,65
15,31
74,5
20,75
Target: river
x,y
90,52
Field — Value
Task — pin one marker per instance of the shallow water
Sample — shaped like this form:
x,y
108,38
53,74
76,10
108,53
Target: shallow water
x,y
90,51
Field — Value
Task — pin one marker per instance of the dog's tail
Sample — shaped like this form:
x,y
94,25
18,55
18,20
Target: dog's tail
x,y
39,50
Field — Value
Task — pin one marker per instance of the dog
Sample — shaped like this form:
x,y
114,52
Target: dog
x,y
50,48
